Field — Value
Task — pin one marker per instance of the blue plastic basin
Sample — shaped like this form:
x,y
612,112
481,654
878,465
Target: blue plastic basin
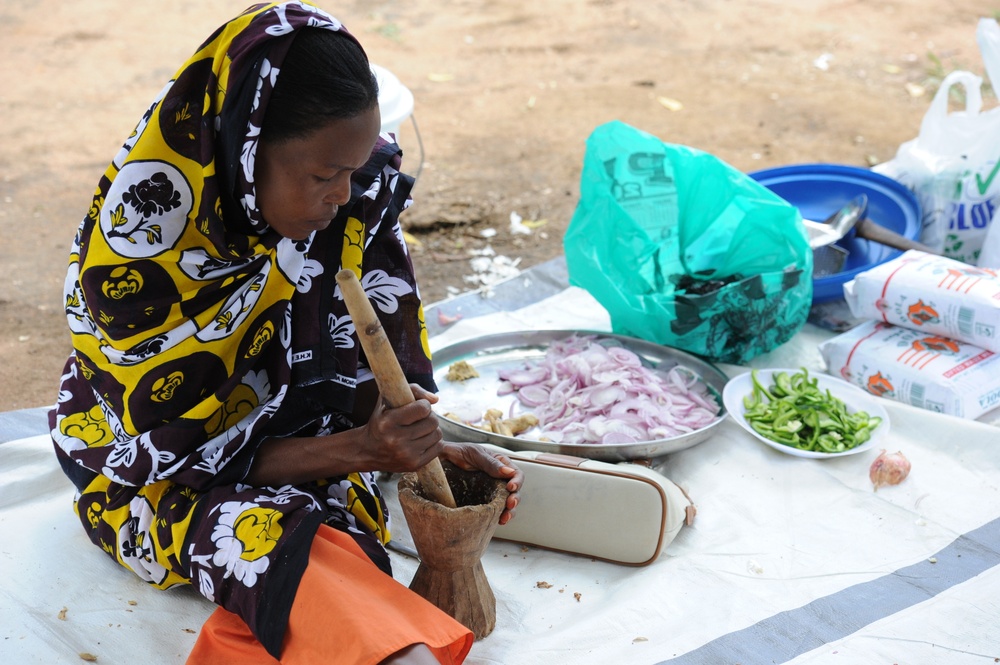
x,y
819,190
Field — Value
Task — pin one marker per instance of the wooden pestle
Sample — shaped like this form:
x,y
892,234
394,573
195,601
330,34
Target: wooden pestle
x,y
392,383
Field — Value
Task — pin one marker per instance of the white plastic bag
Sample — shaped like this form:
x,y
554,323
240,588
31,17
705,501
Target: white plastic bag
x,y
989,255
953,166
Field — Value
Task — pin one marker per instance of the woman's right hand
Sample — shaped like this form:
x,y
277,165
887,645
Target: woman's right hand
x,y
403,438
399,440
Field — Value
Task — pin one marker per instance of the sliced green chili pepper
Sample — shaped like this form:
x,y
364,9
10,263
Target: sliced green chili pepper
x,y
793,411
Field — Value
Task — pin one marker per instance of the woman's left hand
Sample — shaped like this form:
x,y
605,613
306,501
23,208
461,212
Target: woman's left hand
x,y
470,457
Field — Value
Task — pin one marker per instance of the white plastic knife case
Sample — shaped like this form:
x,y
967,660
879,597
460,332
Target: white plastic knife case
x,y
624,513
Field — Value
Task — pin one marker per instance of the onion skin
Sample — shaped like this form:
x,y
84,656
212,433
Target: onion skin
x,y
889,469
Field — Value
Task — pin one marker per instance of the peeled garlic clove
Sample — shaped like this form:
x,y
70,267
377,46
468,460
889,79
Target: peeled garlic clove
x,y
889,469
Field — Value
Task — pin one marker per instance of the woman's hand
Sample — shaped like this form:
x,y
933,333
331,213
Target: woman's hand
x,y
403,438
470,457
398,440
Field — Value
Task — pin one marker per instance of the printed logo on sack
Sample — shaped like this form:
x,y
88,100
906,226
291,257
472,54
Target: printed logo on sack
x,y
937,344
921,313
922,351
880,385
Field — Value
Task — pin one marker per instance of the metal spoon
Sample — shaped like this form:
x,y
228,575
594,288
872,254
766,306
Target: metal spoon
x,y
829,259
838,224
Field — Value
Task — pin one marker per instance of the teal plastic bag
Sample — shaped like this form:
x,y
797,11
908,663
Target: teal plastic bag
x,y
686,251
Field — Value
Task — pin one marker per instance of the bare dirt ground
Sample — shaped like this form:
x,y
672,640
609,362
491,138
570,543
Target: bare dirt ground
x,y
507,92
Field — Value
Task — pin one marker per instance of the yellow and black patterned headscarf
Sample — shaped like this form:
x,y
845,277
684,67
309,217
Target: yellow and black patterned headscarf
x,y
192,321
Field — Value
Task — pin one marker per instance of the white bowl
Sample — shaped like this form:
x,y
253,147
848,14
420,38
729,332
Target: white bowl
x,y
853,397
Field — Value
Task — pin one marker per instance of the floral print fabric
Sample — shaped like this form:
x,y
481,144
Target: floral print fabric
x,y
198,332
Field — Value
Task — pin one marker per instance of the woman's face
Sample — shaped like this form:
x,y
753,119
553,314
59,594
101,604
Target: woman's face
x,y
302,182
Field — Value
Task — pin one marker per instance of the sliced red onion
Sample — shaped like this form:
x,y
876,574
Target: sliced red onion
x,y
625,357
583,391
603,396
533,395
613,438
525,377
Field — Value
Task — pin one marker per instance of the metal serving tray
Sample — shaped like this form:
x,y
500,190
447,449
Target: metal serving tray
x,y
492,353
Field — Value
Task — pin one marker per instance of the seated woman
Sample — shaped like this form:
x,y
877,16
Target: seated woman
x,y
217,414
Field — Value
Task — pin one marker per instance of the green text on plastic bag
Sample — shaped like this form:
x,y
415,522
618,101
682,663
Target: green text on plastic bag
x,y
652,212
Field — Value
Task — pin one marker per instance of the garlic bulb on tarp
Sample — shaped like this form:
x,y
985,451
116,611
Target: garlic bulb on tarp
x,y
889,469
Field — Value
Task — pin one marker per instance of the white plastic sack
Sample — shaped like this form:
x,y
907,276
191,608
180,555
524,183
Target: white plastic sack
x,y
931,294
953,166
928,371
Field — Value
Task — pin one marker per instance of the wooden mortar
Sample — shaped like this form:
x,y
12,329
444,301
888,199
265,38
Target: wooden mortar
x,y
450,533
451,543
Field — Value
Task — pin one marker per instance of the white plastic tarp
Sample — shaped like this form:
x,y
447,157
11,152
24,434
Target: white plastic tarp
x,y
789,560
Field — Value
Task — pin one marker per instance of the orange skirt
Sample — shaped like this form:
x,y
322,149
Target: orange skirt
x,y
346,610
